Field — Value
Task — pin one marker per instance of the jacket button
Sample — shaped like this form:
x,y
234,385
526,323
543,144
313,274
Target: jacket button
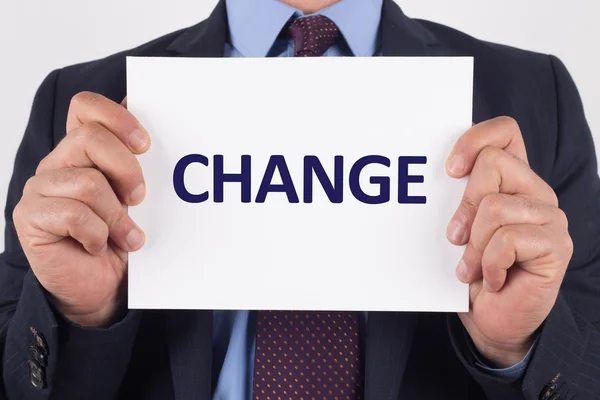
x,y
549,391
40,341
38,355
36,375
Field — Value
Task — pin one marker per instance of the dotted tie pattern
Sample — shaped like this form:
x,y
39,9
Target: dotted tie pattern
x,y
307,355
312,36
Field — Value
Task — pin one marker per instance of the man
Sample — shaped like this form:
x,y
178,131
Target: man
x,y
533,330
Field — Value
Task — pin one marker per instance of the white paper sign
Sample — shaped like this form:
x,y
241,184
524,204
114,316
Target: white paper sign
x,y
276,249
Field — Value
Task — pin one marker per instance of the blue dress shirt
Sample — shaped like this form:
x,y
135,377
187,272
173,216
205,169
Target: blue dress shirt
x,y
254,29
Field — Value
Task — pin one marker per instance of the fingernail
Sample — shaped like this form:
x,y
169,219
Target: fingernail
x,y
454,232
138,140
456,164
135,238
138,194
461,271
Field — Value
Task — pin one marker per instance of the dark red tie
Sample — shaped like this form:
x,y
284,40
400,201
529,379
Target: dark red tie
x,y
308,355
312,36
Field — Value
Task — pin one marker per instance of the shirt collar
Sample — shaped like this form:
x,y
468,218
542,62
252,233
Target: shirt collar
x,y
254,25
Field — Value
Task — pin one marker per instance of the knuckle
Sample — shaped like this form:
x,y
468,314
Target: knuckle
x,y
18,213
519,160
469,204
507,236
549,280
568,245
104,234
89,184
90,131
121,116
76,216
132,173
537,241
87,134
30,185
509,122
561,218
42,164
120,221
526,206
61,176
552,197
490,156
19,217
560,275
84,98
488,267
49,161
492,206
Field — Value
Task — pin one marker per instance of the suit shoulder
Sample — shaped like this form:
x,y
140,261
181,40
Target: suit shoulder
x,y
464,44
107,75
503,74
156,47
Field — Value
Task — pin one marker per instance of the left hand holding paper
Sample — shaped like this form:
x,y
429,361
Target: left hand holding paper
x,y
518,245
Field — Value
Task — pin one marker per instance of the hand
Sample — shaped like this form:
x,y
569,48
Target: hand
x,y
518,245
72,220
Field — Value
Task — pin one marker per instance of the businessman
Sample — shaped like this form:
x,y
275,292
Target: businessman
x,y
530,220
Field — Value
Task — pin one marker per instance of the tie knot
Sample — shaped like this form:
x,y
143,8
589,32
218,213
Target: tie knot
x,y
312,36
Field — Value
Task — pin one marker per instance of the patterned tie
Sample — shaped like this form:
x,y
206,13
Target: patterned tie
x,y
308,355
312,36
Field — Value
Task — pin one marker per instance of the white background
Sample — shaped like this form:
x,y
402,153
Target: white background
x,y
37,36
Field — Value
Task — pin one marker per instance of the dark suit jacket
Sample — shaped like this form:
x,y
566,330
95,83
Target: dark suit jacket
x,y
168,355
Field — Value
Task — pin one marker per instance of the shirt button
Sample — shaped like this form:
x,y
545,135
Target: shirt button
x,y
36,375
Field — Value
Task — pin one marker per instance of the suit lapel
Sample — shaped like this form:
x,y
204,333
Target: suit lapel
x,y
189,333
206,39
388,340
189,337
402,36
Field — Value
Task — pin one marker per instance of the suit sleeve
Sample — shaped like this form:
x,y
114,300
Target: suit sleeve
x,y
75,362
566,359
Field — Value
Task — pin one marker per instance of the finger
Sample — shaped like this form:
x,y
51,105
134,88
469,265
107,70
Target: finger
x,y
124,102
469,269
502,132
516,244
495,171
497,210
57,218
500,209
89,107
92,145
90,186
